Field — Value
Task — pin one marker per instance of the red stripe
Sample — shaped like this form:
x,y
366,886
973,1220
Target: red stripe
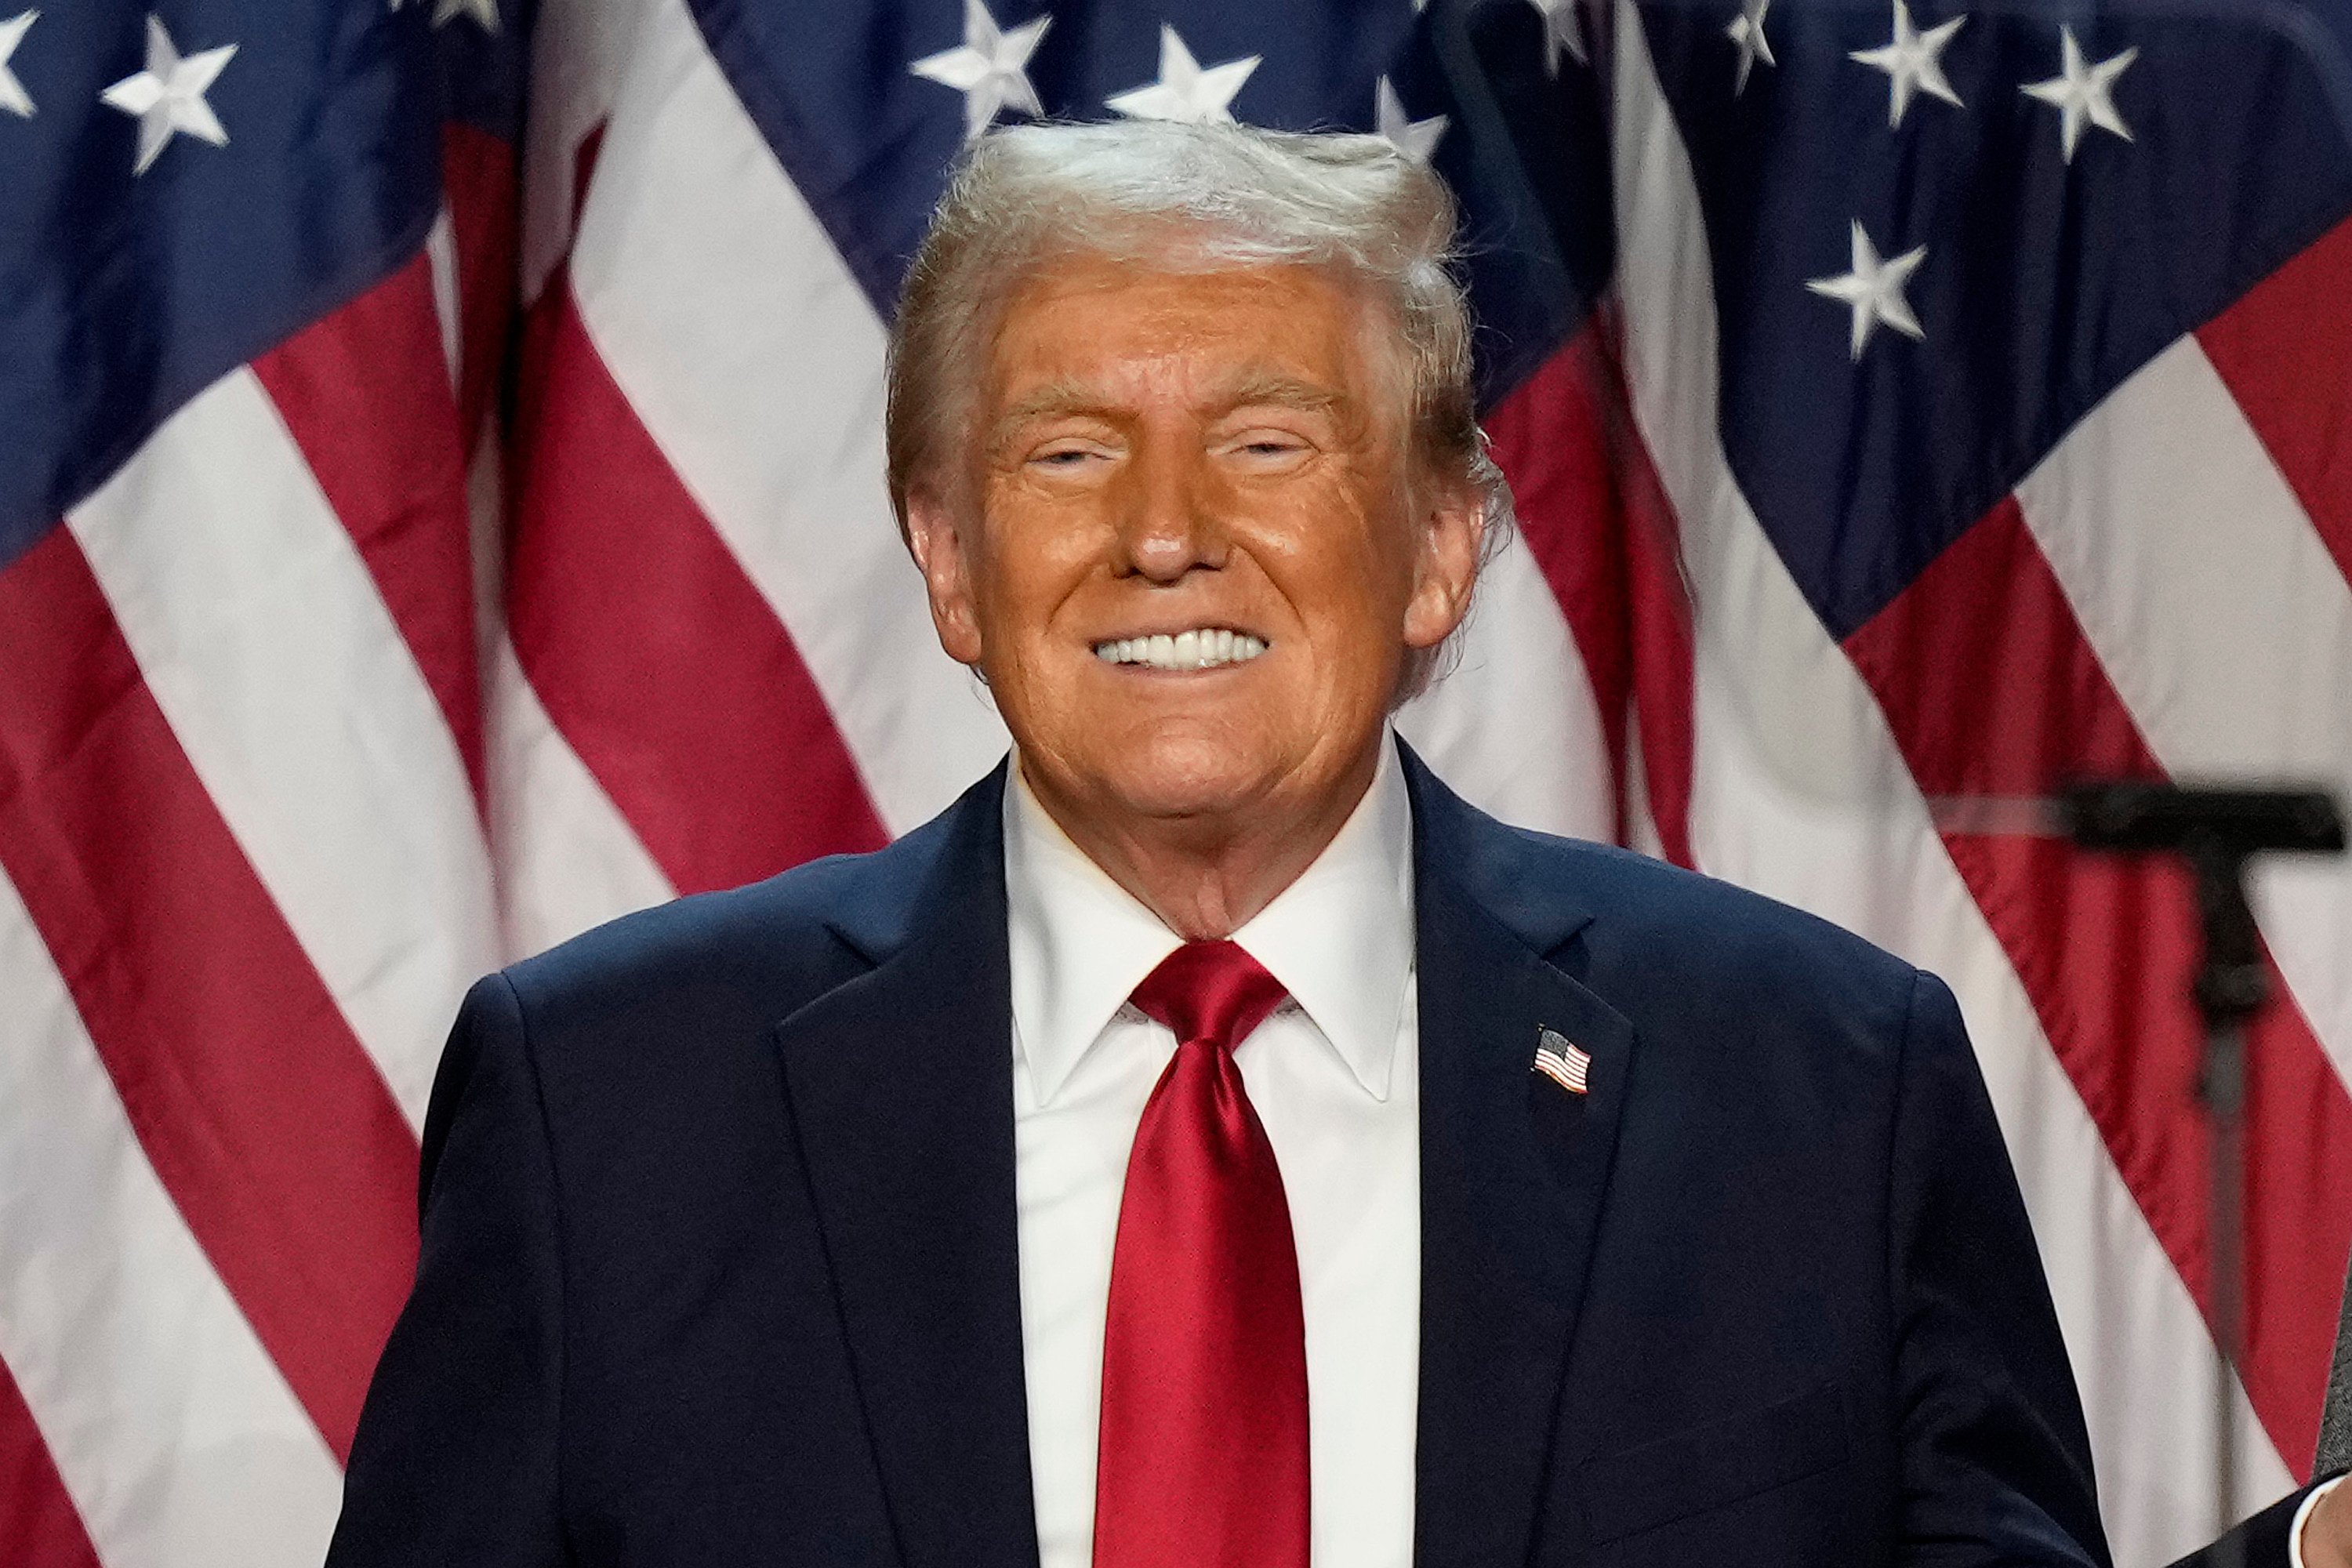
x,y
1992,690
39,1527
365,392
2285,352
256,1106
651,650
478,180
1665,674
1599,526
1550,438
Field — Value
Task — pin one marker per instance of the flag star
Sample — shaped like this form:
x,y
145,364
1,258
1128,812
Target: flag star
x,y
990,68
1746,30
13,95
1416,139
1912,61
2083,92
485,13
1563,29
1874,291
168,96
1186,89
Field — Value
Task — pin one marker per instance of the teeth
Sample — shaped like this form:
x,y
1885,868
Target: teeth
x,y
1204,647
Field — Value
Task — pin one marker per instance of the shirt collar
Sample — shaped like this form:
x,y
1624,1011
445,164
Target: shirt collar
x,y
1340,938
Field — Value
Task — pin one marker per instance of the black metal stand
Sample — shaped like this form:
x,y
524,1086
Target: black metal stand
x,y
2218,832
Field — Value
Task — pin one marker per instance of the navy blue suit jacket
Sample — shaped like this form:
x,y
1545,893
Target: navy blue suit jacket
x,y
720,1241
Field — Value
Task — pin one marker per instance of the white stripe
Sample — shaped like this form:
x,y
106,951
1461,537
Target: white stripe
x,y
734,330
1515,727
1799,791
2224,622
580,51
283,676
1641,821
567,858
441,260
178,1441
563,856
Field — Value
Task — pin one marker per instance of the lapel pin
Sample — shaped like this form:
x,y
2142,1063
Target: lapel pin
x,y
1564,1062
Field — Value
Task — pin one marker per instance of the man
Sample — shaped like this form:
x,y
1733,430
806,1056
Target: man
x,y
1211,1142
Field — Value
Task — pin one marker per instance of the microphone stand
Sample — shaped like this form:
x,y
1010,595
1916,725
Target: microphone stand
x,y
2217,831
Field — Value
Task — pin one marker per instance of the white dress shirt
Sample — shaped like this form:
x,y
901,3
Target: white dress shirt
x,y
1335,1077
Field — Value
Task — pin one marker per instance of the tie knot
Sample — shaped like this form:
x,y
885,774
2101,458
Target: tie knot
x,y
1210,991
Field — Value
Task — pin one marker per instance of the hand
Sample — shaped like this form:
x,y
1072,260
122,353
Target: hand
x,y
2327,1533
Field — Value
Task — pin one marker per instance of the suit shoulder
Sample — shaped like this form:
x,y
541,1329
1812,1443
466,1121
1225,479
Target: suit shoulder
x,y
1670,921
792,933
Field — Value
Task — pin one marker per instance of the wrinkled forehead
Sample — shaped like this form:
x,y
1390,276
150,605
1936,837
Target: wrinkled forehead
x,y
1083,327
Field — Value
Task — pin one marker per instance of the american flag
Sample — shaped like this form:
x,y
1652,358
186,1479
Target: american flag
x,y
441,509
1564,1062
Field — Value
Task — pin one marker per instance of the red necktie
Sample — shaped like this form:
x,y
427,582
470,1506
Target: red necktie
x,y
1203,1456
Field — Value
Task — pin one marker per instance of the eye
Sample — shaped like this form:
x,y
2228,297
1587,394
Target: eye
x,y
1068,457
1268,450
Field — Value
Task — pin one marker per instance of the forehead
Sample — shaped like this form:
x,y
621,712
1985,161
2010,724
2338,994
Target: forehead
x,y
1106,322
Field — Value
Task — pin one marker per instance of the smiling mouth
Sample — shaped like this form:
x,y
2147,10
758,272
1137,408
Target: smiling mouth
x,y
1206,647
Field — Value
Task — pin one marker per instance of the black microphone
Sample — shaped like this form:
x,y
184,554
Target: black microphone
x,y
2217,830
2234,823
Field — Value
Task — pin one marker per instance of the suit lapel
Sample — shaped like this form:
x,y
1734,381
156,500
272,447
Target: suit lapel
x,y
1513,1170
900,1089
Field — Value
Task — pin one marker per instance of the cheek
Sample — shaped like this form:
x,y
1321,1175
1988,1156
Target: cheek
x,y
1354,571
1036,559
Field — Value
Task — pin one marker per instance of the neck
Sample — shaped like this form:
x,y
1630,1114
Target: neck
x,y
1206,875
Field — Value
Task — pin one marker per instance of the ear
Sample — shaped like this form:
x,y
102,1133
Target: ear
x,y
1453,531
938,550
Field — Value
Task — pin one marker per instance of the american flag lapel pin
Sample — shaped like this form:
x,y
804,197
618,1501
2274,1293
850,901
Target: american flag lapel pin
x,y
1563,1061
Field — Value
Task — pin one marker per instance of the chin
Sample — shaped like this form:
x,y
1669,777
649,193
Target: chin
x,y
1189,776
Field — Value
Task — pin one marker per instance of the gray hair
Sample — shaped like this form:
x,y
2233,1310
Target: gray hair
x,y
1185,197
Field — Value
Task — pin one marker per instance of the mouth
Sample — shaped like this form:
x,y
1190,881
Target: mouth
x,y
1202,647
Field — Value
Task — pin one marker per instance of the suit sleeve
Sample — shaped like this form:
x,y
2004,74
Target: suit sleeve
x,y
2265,1540
456,1458
1996,1458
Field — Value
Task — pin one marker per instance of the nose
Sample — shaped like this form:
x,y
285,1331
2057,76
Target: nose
x,y
1167,526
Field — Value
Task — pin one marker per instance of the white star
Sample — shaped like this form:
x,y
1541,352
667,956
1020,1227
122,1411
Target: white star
x,y
990,68
2084,92
168,96
13,95
1186,90
485,13
1563,26
1416,139
1874,290
1913,62
1746,30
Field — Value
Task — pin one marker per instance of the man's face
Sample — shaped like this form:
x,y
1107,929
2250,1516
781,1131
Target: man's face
x,y
1192,554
